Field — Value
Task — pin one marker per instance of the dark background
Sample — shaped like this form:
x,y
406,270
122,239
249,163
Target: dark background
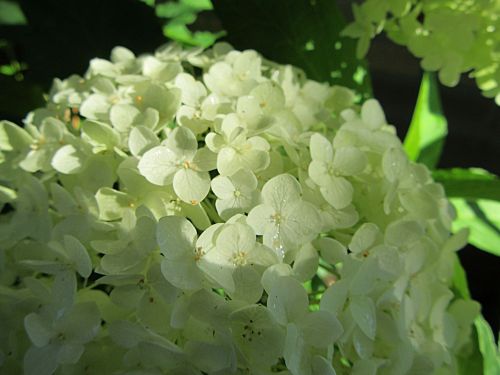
x,y
60,40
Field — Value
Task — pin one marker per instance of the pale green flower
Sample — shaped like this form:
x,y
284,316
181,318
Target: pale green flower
x,y
236,261
234,150
328,168
177,239
141,173
236,75
181,163
284,219
53,147
236,194
257,335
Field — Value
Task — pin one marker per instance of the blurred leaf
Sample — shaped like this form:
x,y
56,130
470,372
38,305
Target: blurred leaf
x,y
180,33
428,128
472,361
11,13
489,350
171,9
305,34
182,13
198,4
482,217
460,280
482,356
472,183
150,3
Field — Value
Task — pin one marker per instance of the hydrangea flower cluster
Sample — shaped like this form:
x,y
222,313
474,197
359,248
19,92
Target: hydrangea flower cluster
x,y
211,212
428,29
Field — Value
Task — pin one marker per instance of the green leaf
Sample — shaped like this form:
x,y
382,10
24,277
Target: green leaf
x,y
472,183
11,13
482,217
472,361
460,280
489,350
426,134
306,35
180,33
182,13
475,194
198,4
482,354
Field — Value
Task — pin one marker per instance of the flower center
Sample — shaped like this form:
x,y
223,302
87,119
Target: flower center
x,y
239,258
276,218
198,253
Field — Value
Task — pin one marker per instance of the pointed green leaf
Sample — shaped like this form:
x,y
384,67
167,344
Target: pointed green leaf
x,y
471,183
484,356
482,217
428,129
488,348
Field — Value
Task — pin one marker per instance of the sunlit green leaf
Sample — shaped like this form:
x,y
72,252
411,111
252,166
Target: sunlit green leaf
x,y
425,138
472,183
482,217
483,356
491,355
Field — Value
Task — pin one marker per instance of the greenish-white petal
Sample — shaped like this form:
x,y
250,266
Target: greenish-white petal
x,y
321,149
257,335
372,114
78,255
331,250
182,142
287,300
306,263
338,192
320,173
281,191
204,160
349,161
112,203
141,139
100,133
68,160
191,186
159,165
320,328
364,313
175,236
364,238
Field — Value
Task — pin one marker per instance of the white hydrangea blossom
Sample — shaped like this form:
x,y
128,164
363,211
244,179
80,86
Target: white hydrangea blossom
x,y
243,220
